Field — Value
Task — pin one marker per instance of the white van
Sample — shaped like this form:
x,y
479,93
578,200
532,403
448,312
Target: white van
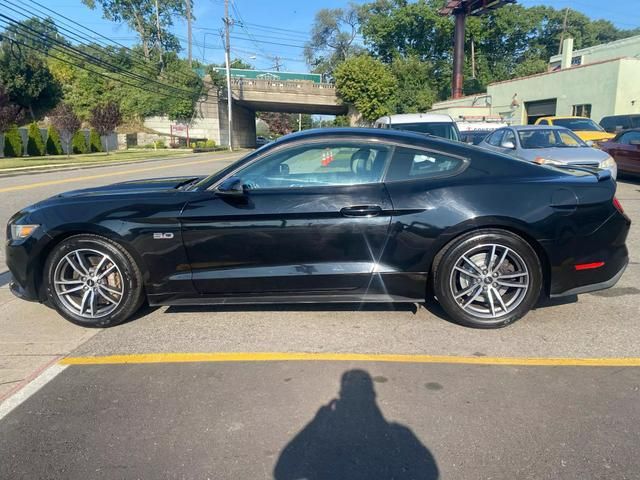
x,y
428,123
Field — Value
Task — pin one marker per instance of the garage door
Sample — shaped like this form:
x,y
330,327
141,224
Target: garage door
x,y
541,108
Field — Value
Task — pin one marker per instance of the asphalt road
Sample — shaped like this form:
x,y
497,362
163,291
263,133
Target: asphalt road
x,y
298,419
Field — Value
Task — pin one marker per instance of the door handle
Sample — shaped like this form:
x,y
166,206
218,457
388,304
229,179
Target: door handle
x,y
362,211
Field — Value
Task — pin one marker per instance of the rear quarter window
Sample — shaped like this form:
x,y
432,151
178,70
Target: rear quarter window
x,y
410,163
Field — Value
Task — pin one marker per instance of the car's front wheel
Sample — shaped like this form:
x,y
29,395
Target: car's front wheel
x,y
487,279
92,281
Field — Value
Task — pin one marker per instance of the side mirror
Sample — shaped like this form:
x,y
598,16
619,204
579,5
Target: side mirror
x,y
231,187
508,144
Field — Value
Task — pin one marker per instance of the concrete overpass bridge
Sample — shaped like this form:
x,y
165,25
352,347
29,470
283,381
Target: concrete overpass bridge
x,y
251,96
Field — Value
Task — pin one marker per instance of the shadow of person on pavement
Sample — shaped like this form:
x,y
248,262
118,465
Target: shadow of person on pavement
x,y
349,439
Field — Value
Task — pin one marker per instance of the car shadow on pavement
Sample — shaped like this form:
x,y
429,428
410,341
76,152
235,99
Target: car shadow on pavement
x,y
349,438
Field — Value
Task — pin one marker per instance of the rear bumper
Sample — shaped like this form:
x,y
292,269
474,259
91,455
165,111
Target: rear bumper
x,y
606,244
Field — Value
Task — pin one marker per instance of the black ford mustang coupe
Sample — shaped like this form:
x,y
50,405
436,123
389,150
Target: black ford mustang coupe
x,y
338,215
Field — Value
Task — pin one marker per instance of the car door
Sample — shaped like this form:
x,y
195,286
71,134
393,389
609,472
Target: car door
x,y
627,152
313,219
494,140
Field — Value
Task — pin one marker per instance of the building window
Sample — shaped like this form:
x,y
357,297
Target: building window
x,y
583,110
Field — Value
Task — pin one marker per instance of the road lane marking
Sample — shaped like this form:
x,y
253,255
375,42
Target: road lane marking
x,y
105,175
17,398
345,357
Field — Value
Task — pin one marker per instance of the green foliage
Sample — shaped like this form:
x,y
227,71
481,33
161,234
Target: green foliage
x,y
28,81
54,146
341,121
35,144
366,83
95,145
510,41
140,16
12,142
414,93
204,144
79,143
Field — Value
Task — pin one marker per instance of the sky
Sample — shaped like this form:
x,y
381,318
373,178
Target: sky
x,y
284,23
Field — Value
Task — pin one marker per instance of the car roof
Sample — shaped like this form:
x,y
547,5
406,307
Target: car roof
x,y
414,118
622,115
564,117
522,128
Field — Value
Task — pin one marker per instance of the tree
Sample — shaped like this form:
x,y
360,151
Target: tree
x,y
10,114
366,83
13,142
35,143
34,34
279,123
79,143
53,142
415,92
66,122
105,118
332,39
28,82
140,16
95,145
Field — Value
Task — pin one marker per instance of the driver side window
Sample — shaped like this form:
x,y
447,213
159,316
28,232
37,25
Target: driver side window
x,y
317,164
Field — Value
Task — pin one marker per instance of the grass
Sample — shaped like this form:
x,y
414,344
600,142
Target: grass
x,y
91,158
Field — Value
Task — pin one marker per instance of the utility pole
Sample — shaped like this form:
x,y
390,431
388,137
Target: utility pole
x,y
227,60
299,122
277,65
564,29
189,50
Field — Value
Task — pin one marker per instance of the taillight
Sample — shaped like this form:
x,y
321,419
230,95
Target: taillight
x,y
618,205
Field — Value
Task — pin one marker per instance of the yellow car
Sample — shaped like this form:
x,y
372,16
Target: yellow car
x,y
584,127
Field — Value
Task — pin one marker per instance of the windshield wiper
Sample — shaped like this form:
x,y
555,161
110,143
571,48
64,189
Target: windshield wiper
x,y
187,183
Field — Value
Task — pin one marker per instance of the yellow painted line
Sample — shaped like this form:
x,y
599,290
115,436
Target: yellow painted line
x,y
29,186
345,357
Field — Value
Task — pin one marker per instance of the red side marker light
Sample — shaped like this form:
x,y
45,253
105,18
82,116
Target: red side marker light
x,y
618,205
589,266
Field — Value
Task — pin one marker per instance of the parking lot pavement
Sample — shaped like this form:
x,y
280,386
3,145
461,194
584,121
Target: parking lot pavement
x,y
327,420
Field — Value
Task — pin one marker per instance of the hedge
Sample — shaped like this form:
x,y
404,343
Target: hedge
x,y
54,145
95,145
79,143
12,142
35,144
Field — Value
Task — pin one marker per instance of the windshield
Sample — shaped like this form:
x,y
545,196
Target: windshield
x,y
578,124
549,138
444,129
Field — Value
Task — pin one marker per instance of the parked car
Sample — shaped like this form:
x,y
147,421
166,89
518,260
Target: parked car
x,y
625,149
474,132
260,141
618,123
389,214
426,123
585,128
550,145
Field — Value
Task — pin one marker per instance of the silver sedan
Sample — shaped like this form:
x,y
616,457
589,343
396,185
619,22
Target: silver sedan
x,y
548,145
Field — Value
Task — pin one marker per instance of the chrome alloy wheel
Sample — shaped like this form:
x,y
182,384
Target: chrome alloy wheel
x,y
88,283
489,281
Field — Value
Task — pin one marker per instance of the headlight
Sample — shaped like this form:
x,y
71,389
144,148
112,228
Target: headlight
x,y
20,232
547,161
608,163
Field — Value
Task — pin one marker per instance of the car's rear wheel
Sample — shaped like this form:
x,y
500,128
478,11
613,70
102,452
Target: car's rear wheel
x,y
487,279
92,281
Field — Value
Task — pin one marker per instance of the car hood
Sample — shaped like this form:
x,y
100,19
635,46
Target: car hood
x,y
587,135
567,154
146,186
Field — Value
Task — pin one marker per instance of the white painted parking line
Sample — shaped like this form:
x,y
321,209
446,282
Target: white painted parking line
x,y
29,389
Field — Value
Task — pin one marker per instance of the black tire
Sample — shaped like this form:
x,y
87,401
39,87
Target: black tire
x,y
446,279
128,274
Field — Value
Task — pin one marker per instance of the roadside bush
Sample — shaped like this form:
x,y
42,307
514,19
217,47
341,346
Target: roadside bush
x,y
78,143
35,144
95,145
160,144
54,146
210,143
12,142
